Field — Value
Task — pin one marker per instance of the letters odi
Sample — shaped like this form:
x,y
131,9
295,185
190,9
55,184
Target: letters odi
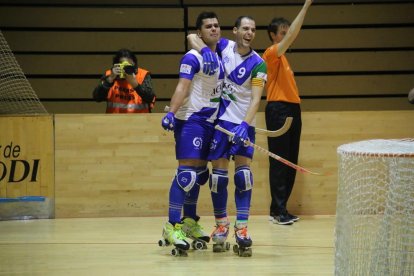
x,y
10,173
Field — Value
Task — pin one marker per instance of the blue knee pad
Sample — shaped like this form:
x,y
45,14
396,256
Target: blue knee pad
x,y
243,178
186,177
219,180
203,174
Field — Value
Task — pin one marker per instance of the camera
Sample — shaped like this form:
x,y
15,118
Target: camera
x,y
126,68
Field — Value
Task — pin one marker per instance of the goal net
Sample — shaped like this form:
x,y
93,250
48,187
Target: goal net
x,y
374,232
16,94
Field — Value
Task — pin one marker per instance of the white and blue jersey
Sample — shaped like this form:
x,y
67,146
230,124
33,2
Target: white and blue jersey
x,y
236,96
239,72
205,91
195,118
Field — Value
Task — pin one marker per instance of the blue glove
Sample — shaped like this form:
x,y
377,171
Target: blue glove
x,y
210,61
168,122
234,149
241,134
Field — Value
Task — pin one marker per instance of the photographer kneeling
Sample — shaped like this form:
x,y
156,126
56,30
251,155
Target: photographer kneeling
x,y
126,88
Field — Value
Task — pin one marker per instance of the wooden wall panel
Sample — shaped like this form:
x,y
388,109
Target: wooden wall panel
x,y
327,104
317,15
82,88
277,3
180,3
354,85
339,38
168,64
110,41
352,62
356,104
308,86
97,2
61,64
91,17
74,107
363,51
122,165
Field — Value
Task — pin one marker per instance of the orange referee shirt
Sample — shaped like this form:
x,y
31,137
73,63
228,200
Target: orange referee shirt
x,y
281,84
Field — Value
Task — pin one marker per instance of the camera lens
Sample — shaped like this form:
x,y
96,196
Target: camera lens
x,y
129,69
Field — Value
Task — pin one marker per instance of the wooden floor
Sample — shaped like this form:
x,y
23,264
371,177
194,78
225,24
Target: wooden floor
x,y
128,246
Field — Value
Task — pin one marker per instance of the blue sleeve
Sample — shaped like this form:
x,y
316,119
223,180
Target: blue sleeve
x,y
189,66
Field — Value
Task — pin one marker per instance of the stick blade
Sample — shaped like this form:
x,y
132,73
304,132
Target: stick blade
x,y
276,133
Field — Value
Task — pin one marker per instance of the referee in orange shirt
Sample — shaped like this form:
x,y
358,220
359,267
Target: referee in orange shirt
x,y
282,101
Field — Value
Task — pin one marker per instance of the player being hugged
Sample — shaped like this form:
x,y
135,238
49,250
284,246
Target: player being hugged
x,y
245,77
192,113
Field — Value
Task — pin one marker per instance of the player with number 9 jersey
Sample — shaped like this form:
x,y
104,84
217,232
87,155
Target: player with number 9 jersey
x,y
241,73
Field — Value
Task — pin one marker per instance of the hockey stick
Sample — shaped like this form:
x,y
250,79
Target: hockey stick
x,y
271,154
268,133
276,133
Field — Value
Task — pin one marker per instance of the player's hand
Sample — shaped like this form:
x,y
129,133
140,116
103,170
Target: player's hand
x,y
168,122
241,135
210,61
234,149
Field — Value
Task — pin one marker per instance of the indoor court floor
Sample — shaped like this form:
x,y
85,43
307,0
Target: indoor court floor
x,y
129,246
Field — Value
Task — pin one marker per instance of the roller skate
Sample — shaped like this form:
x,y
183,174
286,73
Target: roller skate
x,y
194,231
220,234
173,234
243,240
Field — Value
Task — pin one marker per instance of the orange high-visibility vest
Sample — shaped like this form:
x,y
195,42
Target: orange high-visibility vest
x,y
122,98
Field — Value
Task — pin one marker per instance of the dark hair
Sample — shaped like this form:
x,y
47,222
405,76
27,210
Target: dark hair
x,y
204,15
125,53
275,24
239,20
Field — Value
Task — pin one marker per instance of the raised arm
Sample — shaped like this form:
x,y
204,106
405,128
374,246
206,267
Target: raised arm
x,y
293,29
195,42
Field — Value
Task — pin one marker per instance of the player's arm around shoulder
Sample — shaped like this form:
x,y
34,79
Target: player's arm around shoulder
x,y
195,42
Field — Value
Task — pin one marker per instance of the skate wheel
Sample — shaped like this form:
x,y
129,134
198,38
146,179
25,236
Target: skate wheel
x,y
163,242
175,252
217,247
198,245
236,249
179,252
245,252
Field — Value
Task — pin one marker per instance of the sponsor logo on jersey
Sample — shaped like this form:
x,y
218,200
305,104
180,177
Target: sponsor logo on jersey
x,y
185,68
198,142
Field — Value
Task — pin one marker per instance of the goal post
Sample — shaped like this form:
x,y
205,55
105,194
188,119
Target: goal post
x,y
16,94
374,232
